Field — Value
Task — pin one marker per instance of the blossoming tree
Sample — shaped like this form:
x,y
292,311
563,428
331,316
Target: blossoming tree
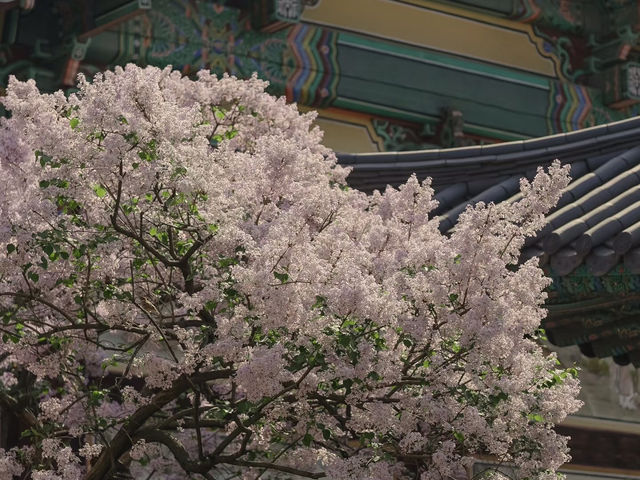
x,y
189,290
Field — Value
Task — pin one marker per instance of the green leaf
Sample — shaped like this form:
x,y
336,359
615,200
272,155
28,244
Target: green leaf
x,y
99,191
307,439
366,437
535,417
283,277
218,112
131,137
11,248
321,302
96,396
541,334
74,123
179,172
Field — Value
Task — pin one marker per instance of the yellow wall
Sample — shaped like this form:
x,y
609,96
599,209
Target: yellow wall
x,y
346,131
438,27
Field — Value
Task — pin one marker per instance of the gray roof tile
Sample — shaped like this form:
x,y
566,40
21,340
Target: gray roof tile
x,y
598,213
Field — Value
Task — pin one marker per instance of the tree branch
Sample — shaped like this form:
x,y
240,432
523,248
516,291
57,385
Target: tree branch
x,y
121,442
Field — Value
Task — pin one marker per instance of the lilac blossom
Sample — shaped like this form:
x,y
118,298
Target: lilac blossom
x,y
189,288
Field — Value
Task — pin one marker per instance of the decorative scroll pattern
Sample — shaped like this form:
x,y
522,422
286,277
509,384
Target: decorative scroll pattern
x,y
563,15
314,79
398,138
572,107
300,61
582,285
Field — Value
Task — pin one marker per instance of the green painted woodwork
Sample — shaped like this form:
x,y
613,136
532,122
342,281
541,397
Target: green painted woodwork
x,y
317,66
299,62
420,87
499,135
10,26
582,285
601,312
621,84
375,76
398,138
456,63
117,12
501,8
572,107
383,111
568,16
402,83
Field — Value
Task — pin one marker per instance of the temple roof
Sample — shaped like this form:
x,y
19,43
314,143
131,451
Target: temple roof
x,y
596,221
590,245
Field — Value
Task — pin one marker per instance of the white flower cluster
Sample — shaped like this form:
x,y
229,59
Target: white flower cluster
x,y
191,287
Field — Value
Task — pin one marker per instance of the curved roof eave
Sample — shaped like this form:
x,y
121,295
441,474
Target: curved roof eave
x,y
593,234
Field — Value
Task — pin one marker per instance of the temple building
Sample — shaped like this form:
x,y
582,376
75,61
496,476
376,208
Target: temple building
x,y
590,247
385,75
473,93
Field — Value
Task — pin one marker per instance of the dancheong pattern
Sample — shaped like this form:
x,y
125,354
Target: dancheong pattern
x,y
300,62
